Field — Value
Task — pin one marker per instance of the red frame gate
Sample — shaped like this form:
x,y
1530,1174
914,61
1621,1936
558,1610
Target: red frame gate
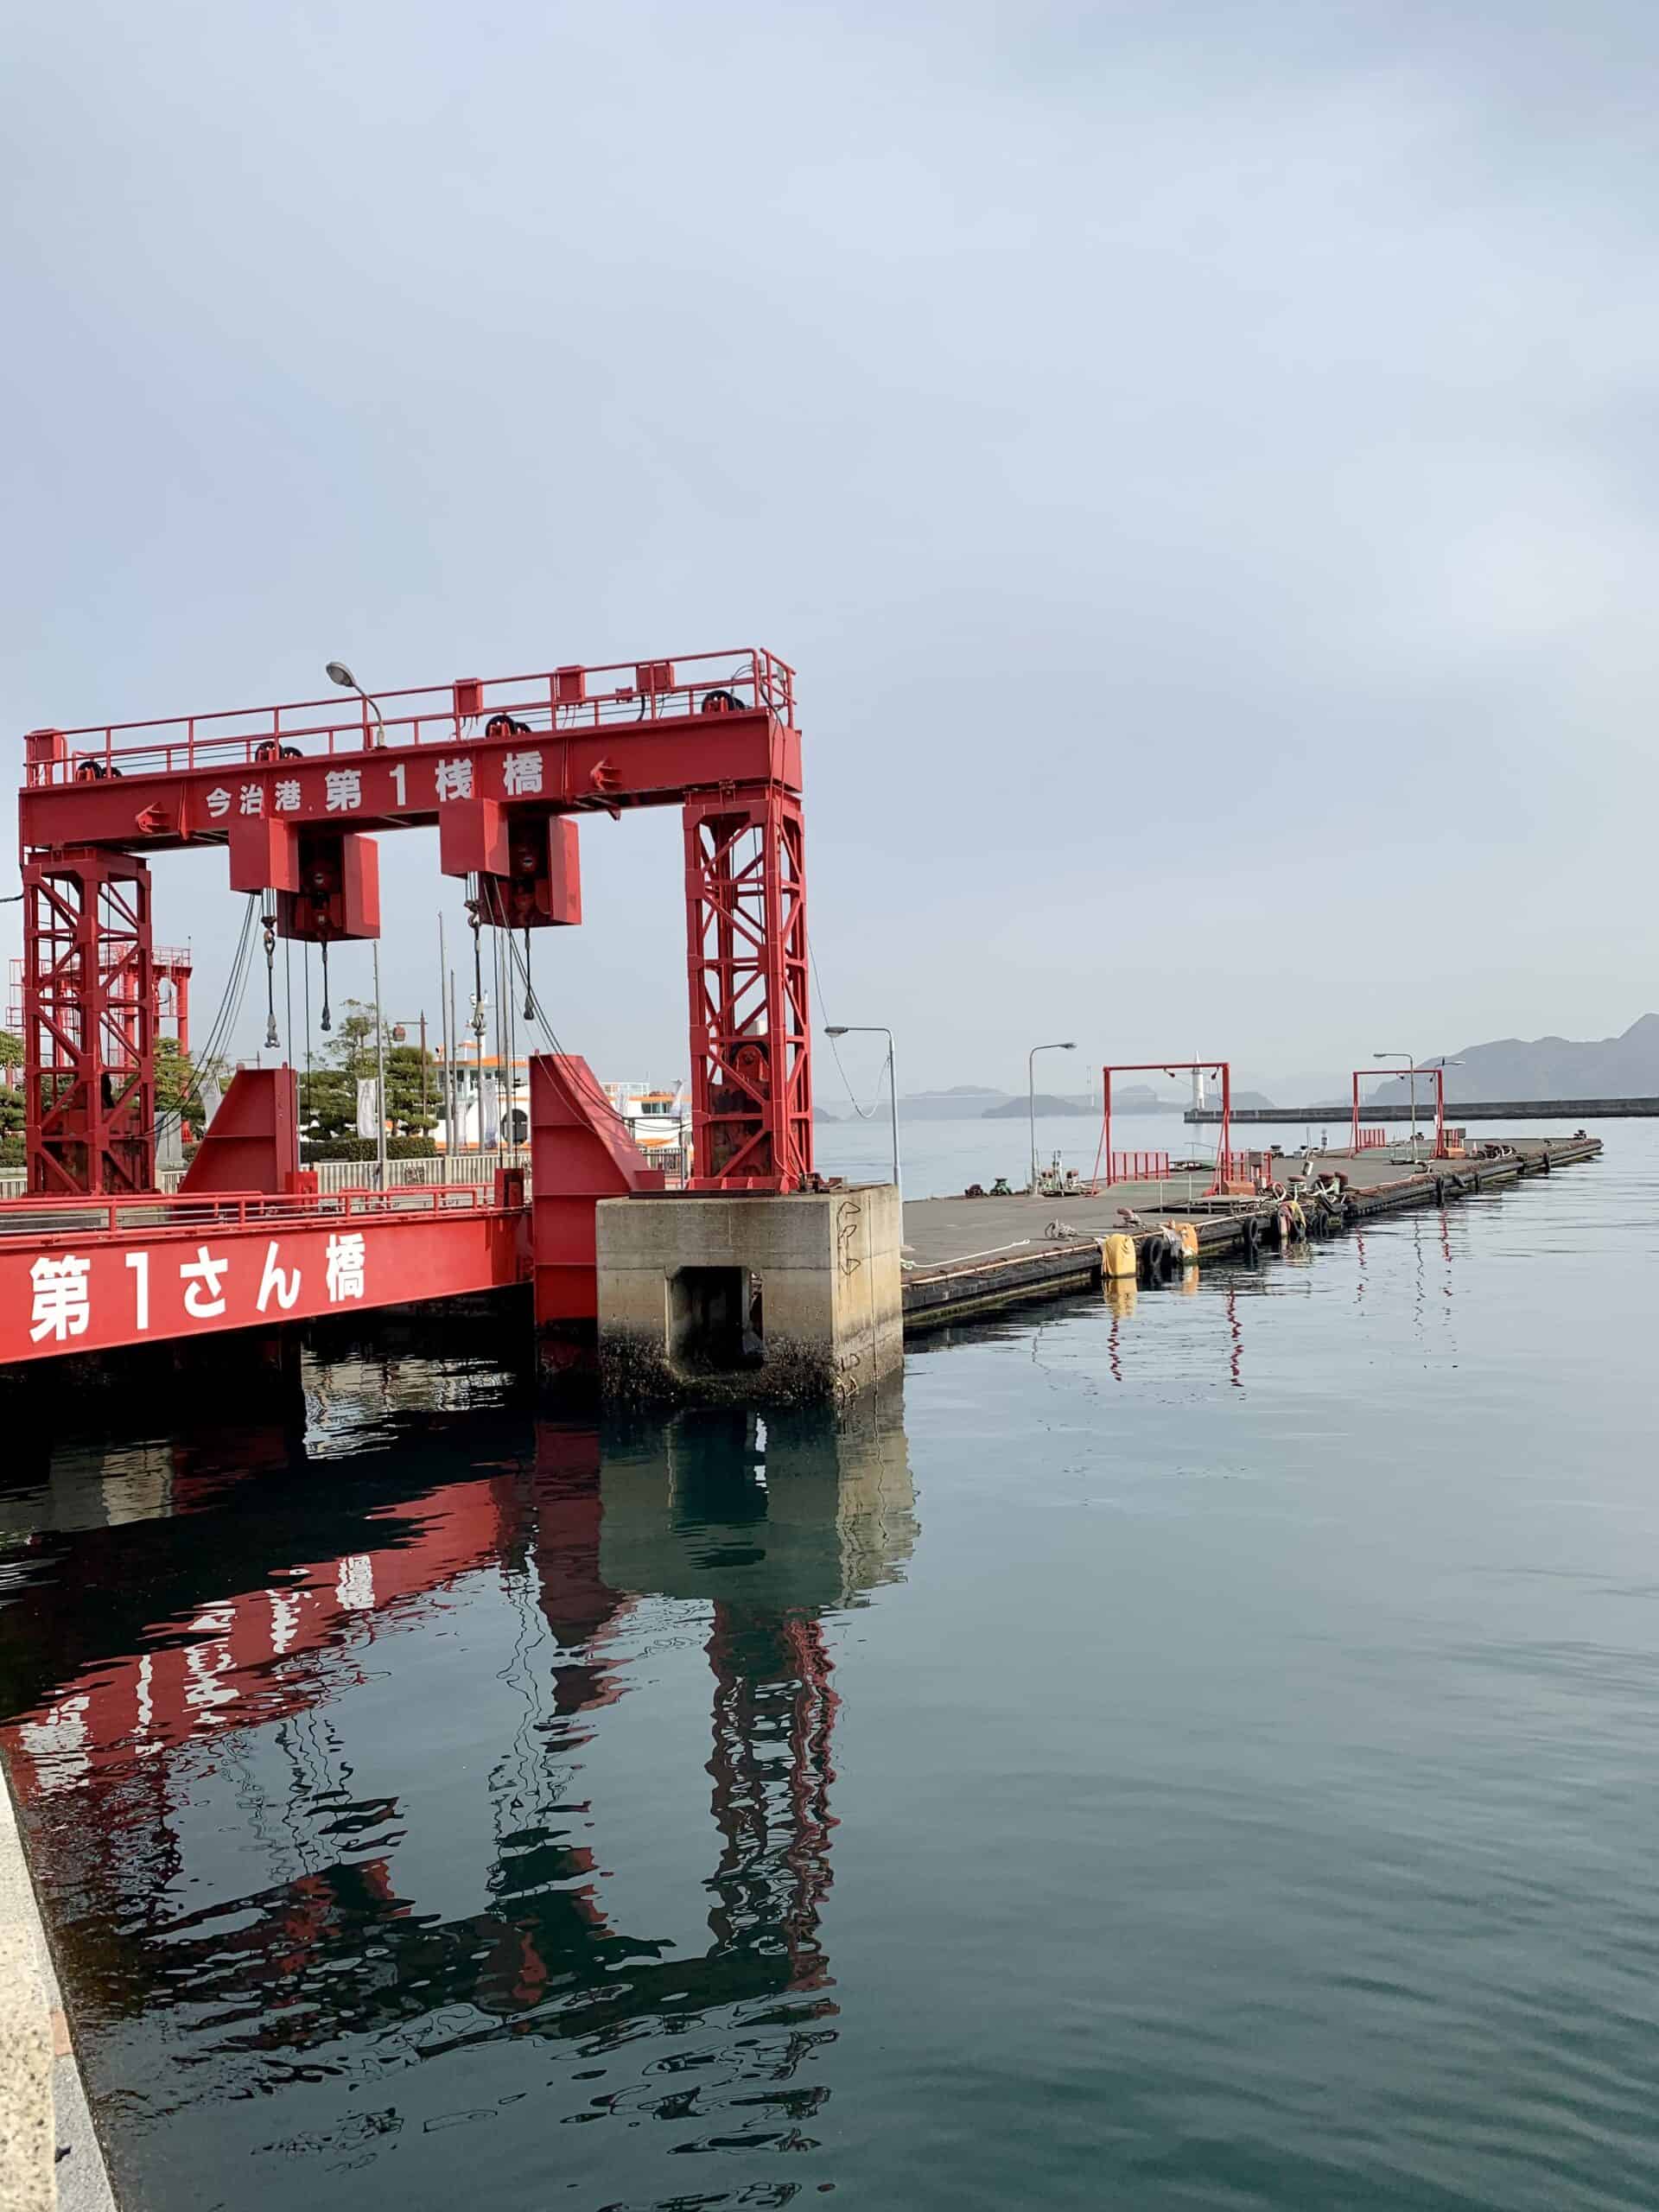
x,y
504,767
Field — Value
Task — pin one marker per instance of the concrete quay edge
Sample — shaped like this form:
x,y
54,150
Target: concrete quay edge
x,y
50,2155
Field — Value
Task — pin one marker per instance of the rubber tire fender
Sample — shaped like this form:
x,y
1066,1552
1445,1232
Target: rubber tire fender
x,y
1162,1259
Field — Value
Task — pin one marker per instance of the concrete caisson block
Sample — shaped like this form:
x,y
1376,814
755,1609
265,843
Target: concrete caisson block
x,y
790,1300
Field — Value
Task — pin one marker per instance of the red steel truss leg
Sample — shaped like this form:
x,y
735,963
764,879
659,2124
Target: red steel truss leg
x,y
89,1023
746,942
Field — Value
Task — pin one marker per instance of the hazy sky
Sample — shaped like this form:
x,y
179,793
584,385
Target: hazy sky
x,y
1201,461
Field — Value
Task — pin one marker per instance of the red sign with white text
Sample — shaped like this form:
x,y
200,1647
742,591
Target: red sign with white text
x,y
106,1289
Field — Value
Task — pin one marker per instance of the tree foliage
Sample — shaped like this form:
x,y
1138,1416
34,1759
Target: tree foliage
x,y
328,1093
178,1082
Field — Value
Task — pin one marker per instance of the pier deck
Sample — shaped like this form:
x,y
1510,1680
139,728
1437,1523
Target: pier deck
x,y
974,1254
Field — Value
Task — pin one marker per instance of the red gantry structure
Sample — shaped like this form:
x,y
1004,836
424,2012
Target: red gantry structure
x,y
1369,1140
295,798
1149,1167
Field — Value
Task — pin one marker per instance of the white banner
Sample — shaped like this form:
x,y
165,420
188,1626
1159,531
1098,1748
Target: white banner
x,y
169,1139
368,1107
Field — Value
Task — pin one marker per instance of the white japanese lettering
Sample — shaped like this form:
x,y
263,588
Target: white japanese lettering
x,y
455,779
251,799
288,795
219,802
139,1262
345,1261
521,773
286,1286
342,790
62,1306
204,1301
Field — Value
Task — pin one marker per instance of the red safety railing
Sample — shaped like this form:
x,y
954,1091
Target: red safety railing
x,y
1236,1167
1137,1167
1372,1140
37,1221
619,693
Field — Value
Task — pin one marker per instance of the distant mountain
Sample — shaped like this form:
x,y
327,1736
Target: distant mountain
x,y
819,1114
1626,1066
980,1103
1013,1109
964,1101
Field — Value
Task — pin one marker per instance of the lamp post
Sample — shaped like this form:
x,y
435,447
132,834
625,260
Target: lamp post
x,y
1411,1071
337,672
379,1074
1070,1045
875,1029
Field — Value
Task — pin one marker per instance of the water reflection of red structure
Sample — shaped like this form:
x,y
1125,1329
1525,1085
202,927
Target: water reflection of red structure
x,y
241,1658
106,1763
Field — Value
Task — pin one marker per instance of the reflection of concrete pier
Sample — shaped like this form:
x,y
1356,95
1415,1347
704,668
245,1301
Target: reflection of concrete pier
x,y
228,1708
801,1509
774,1525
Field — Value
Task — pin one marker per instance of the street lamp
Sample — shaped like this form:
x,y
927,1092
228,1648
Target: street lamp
x,y
1411,1071
1031,1097
337,672
874,1029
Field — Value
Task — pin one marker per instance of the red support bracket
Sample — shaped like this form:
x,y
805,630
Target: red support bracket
x,y
580,1152
252,1143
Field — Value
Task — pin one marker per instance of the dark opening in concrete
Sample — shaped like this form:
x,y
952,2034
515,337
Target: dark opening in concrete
x,y
715,1319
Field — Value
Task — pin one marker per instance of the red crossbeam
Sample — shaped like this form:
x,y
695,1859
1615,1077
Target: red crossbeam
x,y
720,718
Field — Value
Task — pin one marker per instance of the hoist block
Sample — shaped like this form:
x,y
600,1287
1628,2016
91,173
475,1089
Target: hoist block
x,y
338,895
528,863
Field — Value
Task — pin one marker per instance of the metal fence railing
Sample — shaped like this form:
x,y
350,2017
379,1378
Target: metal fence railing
x,y
402,1174
1137,1167
334,1175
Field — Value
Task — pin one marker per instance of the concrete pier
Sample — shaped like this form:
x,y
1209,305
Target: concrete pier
x,y
784,1300
965,1255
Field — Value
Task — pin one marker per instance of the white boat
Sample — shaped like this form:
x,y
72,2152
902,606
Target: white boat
x,y
656,1118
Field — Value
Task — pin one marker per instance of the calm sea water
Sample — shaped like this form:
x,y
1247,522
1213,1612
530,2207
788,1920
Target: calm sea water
x,y
1201,1751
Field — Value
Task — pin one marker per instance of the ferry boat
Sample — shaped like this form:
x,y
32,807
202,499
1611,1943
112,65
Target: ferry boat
x,y
656,1119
